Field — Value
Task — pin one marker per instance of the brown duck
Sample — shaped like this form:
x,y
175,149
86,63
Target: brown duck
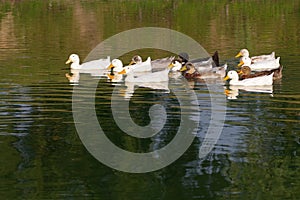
x,y
190,72
246,73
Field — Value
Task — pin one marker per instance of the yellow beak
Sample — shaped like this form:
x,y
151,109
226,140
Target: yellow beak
x,y
110,66
183,68
240,64
238,55
170,65
226,78
68,61
122,72
131,63
240,72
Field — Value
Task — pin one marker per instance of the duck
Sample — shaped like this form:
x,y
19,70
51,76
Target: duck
x,y
261,80
245,73
138,65
130,87
265,65
189,71
154,77
94,64
254,59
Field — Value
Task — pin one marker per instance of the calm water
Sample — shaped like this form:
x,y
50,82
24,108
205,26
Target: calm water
x,y
42,156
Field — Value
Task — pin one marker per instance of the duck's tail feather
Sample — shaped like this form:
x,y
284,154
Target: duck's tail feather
x,y
215,58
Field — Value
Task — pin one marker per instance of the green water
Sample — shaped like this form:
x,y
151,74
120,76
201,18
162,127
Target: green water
x,y
42,156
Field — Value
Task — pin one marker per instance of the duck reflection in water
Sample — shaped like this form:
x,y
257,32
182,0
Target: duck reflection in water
x,y
233,91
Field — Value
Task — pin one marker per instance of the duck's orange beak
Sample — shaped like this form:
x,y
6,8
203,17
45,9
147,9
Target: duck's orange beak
x,y
68,61
182,69
238,55
240,72
110,66
241,63
170,65
226,78
132,62
122,72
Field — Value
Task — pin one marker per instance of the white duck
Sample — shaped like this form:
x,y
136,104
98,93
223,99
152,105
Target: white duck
x,y
94,64
265,65
137,64
261,80
154,77
254,59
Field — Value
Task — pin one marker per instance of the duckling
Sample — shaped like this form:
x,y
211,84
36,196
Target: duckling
x,y
246,73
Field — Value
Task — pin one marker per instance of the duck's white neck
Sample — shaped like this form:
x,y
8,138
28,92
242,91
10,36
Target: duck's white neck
x,y
75,65
234,79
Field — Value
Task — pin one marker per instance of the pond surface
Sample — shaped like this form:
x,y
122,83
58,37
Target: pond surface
x,y
42,155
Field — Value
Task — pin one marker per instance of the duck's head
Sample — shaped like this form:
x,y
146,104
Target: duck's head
x,y
245,70
136,60
243,52
233,75
116,64
244,61
175,65
188,68
73,58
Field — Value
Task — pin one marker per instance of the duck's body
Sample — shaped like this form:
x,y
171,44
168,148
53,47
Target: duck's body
x,y
94,64
189,71
160,76
254,59
246,73
265,65
261,80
